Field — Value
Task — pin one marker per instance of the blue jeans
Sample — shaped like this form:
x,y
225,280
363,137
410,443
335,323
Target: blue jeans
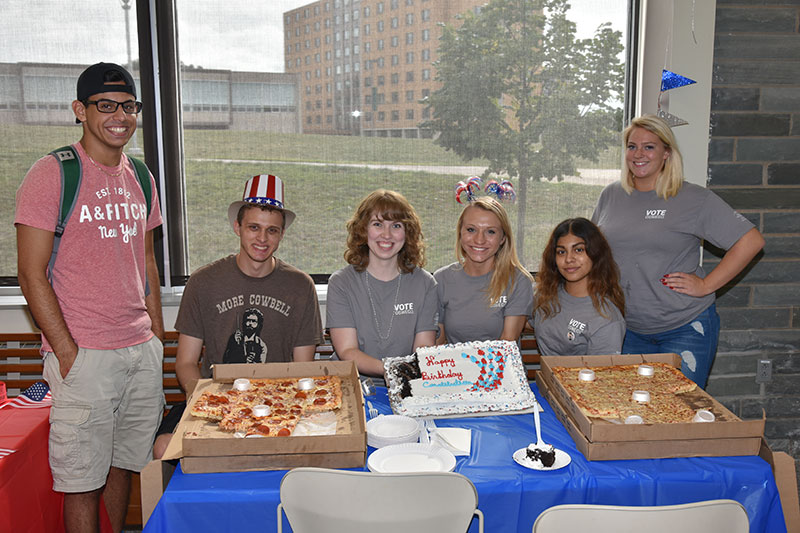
x,y
695,342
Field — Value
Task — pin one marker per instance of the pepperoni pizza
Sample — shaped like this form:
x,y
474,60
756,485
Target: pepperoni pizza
x,y
287,403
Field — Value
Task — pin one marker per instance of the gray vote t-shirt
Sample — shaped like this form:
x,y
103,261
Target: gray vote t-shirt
x,y
651,237
464,304
399,315
578,329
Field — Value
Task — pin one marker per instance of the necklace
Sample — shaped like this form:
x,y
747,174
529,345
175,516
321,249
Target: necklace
x,y
102,169
374,311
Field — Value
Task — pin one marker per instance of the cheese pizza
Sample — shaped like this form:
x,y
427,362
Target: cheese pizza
x,y
610,394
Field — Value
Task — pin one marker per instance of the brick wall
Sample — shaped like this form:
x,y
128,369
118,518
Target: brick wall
x,y
754,164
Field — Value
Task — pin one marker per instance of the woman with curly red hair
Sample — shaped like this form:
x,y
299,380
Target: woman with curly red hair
x,y
383,304
579,303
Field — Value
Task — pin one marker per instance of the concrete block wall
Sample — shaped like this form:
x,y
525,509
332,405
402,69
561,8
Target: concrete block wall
x,y
754,165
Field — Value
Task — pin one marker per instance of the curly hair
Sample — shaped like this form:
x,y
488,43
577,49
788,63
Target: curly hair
x,y
670,179
388,205
603,277
506,261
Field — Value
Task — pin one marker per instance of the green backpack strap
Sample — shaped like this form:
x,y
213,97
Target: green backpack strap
x,y
71,172
143,175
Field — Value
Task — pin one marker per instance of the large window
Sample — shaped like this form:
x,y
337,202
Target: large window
x,y
250,106
44,48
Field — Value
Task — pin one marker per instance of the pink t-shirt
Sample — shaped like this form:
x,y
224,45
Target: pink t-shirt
x,y
99,273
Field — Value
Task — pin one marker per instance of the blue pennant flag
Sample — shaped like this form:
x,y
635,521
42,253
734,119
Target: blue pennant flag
x,y
670,80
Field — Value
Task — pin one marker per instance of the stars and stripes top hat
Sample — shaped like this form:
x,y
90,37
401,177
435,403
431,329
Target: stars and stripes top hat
x,y
264,189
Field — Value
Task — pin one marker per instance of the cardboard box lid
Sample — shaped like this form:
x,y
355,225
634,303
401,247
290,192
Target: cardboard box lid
x,y
727,425
352,415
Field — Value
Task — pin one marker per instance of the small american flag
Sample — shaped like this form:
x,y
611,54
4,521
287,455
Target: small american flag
x,y
34,397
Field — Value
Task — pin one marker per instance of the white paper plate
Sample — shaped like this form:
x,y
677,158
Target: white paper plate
x,y
386,430
562,460
411,457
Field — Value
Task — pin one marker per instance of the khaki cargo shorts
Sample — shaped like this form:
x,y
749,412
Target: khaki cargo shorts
x,y
105,413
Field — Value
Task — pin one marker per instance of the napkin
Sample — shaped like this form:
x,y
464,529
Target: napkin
x,y
457,441
316,424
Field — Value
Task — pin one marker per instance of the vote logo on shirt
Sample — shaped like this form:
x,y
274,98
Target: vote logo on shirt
x,y
501,302
574,328
404,309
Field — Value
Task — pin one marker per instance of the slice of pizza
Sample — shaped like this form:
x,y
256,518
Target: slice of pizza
x,y
273,426
326,395
211,405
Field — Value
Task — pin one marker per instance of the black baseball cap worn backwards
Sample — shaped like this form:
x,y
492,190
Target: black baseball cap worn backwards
x,y
93,81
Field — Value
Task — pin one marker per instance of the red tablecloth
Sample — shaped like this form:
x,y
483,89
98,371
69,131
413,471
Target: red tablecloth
x,y
27,500
28,503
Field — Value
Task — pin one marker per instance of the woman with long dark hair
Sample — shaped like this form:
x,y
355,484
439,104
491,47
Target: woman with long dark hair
x,y
579,302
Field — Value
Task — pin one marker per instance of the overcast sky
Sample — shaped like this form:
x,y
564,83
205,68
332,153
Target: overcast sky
x,y
229,34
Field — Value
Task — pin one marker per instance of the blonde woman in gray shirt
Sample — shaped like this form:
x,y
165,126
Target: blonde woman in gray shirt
x,y
486,294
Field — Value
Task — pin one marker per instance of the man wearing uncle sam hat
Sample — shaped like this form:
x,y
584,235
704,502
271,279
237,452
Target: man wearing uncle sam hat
x,y
250,307
97,301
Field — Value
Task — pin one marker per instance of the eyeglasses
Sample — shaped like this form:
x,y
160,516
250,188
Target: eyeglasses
x,y
110,106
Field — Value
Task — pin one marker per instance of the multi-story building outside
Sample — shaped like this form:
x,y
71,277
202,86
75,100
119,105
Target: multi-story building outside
x,y
366,66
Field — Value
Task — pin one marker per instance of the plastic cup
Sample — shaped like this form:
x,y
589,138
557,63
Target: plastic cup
x,y
305,383
241,384
634,419
368,387
260,411
641,396
586,374
703,415
645,370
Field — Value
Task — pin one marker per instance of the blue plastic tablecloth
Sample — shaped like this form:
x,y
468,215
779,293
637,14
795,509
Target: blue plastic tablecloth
x,y
510,496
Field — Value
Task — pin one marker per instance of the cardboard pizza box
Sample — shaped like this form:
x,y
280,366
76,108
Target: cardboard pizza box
x,y
600,439
201,447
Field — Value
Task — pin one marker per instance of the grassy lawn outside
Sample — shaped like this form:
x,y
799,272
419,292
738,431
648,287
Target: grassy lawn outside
x,y
323,195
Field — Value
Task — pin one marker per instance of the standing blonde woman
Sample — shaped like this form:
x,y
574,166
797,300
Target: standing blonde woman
x,y
656,223
486,294
383,304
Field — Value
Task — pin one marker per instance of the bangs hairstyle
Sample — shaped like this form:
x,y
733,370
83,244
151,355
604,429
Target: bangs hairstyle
x,y
262,207
388,205
603,277
506,261
670,179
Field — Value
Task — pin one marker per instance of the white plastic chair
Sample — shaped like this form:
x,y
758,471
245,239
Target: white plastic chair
x,y
341,501
723,516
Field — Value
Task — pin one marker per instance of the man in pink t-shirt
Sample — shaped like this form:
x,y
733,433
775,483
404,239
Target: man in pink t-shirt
x,y
100,311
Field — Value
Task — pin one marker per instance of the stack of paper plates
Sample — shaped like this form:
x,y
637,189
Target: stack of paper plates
x,y
391,429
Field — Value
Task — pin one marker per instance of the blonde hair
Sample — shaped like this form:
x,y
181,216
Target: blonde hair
x,y
388,205
670,179
506,261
